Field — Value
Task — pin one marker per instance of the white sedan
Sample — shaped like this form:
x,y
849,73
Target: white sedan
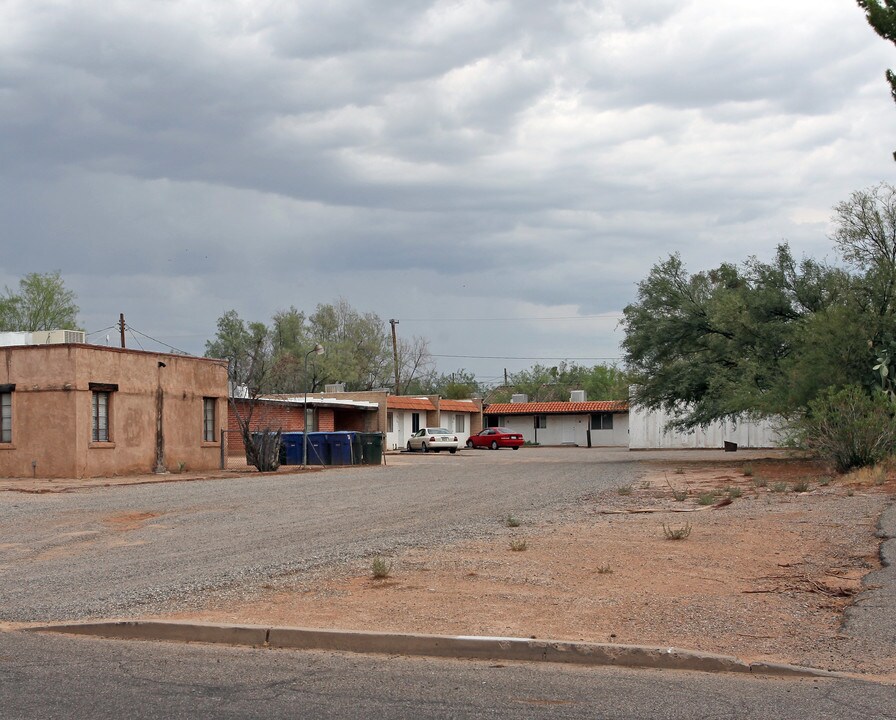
x,y
433,439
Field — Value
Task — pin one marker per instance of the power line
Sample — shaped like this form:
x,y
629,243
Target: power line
x,y
160,342
513,319
509,357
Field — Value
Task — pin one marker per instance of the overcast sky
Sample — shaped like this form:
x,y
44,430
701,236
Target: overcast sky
x,y
442,163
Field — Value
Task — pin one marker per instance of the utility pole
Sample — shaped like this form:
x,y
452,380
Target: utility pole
x,y
393,323
505,378
121,327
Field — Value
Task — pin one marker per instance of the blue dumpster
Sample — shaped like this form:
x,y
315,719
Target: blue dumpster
x,y
318,449
291,448
340,447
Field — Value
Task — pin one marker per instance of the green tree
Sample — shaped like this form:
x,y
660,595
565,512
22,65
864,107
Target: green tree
x,y
42,303
543,383
458,385
249,353
358,349
882,17
766,339
728,342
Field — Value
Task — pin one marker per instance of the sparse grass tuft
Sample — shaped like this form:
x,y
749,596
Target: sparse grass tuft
x,y
824,481
380,568
734,492
680,495
518,545
800,486
511,521
707,498
680,533
760,482
679,471
604,569
645,485
779,487
624,489
748,470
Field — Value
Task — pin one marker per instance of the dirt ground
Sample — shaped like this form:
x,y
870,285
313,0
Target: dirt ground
x,y
764,576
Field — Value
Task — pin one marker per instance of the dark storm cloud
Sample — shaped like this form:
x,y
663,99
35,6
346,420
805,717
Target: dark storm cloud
x,y
178,159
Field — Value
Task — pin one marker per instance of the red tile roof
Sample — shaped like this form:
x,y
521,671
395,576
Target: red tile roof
x,y
556,408
400,402
458,405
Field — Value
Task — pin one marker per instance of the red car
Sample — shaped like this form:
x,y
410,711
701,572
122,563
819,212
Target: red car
x,y
496,437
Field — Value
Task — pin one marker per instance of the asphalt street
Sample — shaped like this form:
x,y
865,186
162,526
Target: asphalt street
x,y
49,677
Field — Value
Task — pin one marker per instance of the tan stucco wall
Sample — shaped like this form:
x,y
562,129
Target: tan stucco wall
x,y
52,404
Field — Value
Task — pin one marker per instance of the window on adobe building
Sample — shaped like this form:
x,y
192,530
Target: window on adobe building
x,y
390,422
101,411
541,422
6,413
602,421
460,423
208,419
415,422
100,417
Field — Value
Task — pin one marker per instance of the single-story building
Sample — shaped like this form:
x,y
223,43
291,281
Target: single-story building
x,y
579,422
406,415
69,409
397,417
284,412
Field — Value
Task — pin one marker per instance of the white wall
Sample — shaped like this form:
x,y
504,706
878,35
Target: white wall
x,y
567,429
647,431
402,427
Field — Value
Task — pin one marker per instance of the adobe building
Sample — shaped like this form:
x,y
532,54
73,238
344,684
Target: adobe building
x,y
75,410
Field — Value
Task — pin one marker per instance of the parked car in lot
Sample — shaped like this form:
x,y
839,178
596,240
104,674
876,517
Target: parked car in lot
x,y
496,437
434,439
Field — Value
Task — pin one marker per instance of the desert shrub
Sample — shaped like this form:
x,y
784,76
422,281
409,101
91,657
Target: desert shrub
x,y
679,533
379,568
518,545
848,428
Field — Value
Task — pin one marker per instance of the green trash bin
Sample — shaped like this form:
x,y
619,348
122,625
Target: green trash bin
x,y
372,448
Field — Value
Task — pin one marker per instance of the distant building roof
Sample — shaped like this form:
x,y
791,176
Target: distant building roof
x,y
557,408
401,402
458,405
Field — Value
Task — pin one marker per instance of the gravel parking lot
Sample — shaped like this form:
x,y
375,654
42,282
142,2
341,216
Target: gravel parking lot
x,y
155,548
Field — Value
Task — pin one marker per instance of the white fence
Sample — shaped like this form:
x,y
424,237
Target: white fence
x,y
647,430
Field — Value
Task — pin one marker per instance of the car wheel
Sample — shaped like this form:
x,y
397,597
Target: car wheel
x,y
453,450
470,444
516,447
425,449
494,445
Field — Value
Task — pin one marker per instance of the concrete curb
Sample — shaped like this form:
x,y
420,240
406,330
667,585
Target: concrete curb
x,y
466,647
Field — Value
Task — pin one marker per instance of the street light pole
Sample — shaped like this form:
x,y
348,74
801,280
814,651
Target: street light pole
x,y
318,349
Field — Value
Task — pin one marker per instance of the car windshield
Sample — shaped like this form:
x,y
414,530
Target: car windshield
x,y
438,431
502,430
